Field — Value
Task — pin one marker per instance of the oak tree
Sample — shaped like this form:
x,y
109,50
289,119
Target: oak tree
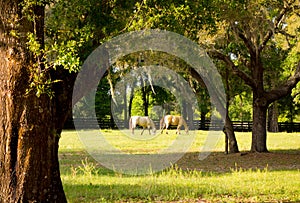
x,y
39,61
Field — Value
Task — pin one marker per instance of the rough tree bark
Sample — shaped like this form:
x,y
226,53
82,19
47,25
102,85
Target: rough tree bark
x,y
273,118
30,126
230,140
259,132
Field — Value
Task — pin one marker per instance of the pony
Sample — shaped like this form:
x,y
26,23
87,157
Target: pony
x,y
168,120
144,122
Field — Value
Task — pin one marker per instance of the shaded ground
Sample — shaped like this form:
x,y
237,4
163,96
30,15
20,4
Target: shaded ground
x,y
220,162
216,161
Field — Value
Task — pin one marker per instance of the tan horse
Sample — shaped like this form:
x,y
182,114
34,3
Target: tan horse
x,y
144,122
178,121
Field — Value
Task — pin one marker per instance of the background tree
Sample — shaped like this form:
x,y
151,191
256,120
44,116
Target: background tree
x,y
188,18
252,28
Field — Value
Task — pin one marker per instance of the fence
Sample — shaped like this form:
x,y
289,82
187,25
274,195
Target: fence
x,y
241,126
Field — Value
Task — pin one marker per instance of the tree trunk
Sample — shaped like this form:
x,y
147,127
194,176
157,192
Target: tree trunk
x,y
145,100
130,103
29,151
190,114
259,128
230,135
226,143
228,124
144,97
273,118
30,126
125,107
229,131
202,120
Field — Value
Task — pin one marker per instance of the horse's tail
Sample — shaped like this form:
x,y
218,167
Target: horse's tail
x,y
130,123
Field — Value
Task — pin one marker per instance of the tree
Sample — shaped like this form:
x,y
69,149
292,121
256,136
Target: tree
x,y
30,123
188,18
252,28
37,74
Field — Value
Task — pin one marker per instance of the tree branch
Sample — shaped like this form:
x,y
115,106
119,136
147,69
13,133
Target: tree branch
x,y
247,41
286,34
286,88
276,23
234,69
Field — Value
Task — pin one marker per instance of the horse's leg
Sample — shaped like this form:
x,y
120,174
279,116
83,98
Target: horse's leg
x,y
133,125
167,125
162,129
143,131
178,129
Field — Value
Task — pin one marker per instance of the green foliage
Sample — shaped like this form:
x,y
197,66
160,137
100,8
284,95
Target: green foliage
x,y
28,9
33,44
160,101
47,56
289,108
180,16
137,104
72,30
103,100
240,108
41,85
66,55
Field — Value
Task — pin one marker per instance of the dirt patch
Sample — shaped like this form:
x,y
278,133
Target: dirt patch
x,y
220,162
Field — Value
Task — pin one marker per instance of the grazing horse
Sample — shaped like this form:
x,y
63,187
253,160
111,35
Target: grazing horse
x,y
168,120
144,122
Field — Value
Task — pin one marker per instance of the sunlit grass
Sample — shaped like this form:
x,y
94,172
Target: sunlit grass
x,y
125,141
146,143
174,184
85,180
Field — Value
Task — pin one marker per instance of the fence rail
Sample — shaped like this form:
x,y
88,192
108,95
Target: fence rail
x,y
241,126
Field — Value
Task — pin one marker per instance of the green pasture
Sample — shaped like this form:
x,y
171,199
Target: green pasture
x,y
191,180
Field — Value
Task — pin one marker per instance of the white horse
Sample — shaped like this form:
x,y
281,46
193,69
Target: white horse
x,y
144,122
168,120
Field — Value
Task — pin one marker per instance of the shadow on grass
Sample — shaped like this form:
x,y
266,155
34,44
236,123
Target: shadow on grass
x,y
216,162
220,162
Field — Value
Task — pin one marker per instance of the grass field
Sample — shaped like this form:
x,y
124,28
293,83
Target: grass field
x,y
243,177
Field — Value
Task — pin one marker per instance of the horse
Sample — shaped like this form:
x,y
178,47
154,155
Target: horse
x,y
168,120
144,122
